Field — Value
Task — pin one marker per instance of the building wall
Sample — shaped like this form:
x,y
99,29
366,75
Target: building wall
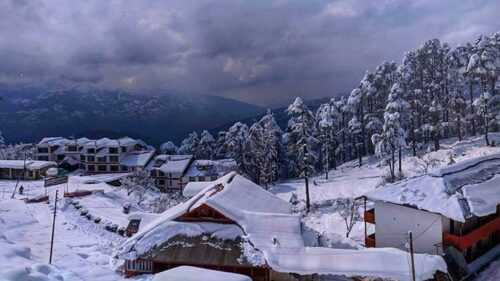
x,y
392,223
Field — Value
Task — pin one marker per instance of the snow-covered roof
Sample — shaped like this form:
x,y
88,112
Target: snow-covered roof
x,y
30,164
275,233
63,141
206,168
194,187
173,164
459,191
137,159
190,273
107,142
261,215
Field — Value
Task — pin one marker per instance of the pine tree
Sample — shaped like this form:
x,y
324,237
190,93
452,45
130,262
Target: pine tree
x,y
393,135
190,144
206,146
301,140
168,148
327,117
234,143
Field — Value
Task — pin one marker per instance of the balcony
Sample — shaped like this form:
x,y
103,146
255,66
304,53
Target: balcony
x,y
370,241
369,216
466,241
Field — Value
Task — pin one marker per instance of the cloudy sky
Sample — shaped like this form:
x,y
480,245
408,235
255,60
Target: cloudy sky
x,y
263,52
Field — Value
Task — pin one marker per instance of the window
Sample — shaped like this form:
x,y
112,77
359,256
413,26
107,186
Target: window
x,y
43,150
91,168
161,182
124,168
124,149
192,178
90,159
91,150
101,159
161,174
43,158
71,147
60,157
101,168
213,178
113,150
113,168
82,157
113,159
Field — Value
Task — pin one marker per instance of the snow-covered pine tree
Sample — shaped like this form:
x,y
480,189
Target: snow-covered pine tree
x,y
301,140
219,151
168,148
190,144
483,104
355,103
234,143
327,117
273,141
255,158
393,135
206,146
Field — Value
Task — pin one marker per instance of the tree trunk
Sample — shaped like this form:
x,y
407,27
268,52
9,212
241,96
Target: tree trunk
x,y
400,160
471,96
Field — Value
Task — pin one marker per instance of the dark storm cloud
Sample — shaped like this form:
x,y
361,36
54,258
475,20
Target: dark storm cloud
x,y
258,51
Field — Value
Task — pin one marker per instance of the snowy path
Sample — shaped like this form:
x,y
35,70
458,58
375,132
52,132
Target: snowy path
x,y
81,246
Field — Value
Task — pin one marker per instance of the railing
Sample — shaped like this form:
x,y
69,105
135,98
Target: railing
x,y
369,216
466,241
370,241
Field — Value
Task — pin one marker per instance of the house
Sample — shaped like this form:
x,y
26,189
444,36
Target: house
x,y
168,171
209,170
21,169
236,226
174,172
456,208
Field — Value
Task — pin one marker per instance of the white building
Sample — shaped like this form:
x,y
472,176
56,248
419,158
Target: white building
x,y
20,169
96,156
457,206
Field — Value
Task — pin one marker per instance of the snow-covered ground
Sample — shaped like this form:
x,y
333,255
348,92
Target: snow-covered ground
x,y
82,249
351,181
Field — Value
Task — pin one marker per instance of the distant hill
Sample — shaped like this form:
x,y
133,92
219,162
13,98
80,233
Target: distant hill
x,y
27,115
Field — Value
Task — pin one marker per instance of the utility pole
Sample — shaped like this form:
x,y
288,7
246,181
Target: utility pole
x,y
53,228
306,178
410,234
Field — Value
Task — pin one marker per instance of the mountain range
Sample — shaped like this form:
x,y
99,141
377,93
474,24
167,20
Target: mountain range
x,y
27,115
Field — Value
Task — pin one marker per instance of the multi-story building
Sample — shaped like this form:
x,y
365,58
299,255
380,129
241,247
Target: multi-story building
x,y
115,155
60,150
96,156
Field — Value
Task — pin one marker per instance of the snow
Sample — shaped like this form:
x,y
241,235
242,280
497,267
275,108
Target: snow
x,y
30,164
137,159
216,168
447,190
173,164
194,187
270,226
380,262
483,198
190,273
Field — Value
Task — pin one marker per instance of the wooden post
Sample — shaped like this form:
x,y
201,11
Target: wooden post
x,y
364,219
410,234
53,228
